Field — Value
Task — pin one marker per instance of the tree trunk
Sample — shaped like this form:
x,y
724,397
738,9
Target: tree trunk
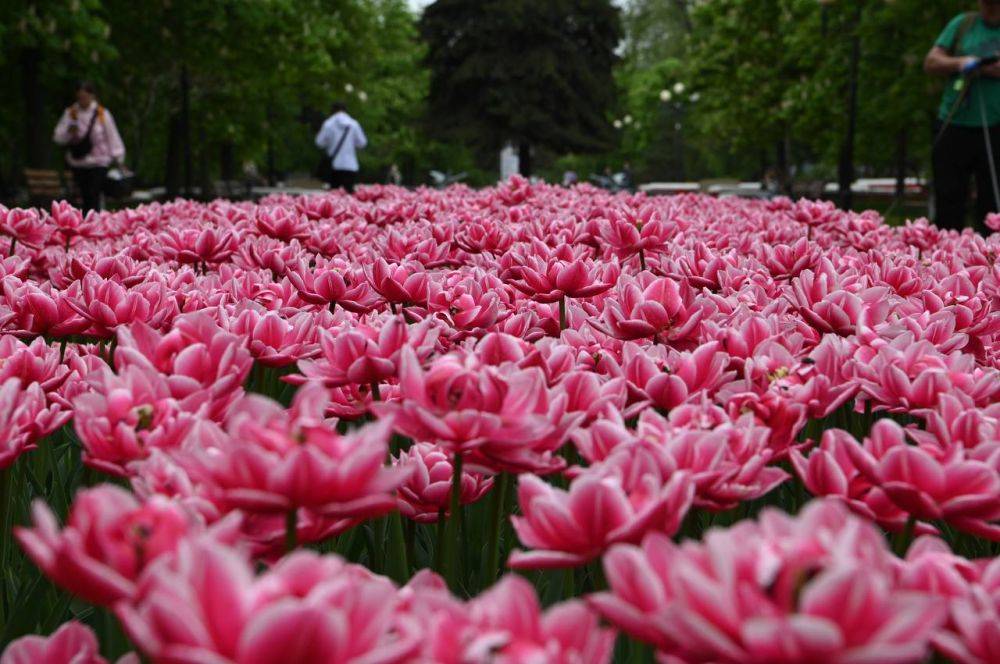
x,y
902,139
172,172
781,165
227,161
186,131
524,158
205,185
272,176
36,143
846,166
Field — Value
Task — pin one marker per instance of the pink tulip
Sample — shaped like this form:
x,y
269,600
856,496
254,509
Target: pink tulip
x,y
814,588
72,643
554,279
505,624
679,377
107,305
905,376
659,309
43,311
929,483
69,222
931,567
728,464
275,341
197,359
507,416
35,363
400,284
973,634
23,226
107,541
272,460
513,630
280,224
365,355
636,490
426,493
306,609
190,246
128,414
332,283
15,440
785,261
483,237
470,305
993,221
829,471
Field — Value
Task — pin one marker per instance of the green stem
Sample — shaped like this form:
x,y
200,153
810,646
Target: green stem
x,y
291,530
398,567
568,583
13,245
562,313
904,538
642,259
454,524
409,538
5,535
597,579
376,392
439,548
497,500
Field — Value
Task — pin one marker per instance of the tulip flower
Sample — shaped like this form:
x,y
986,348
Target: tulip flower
x,y
815,588
636,490
305,609
426,492
269,459
72,642
107,541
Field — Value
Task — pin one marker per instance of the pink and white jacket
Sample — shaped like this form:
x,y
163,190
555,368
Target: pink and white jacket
x,y
107,142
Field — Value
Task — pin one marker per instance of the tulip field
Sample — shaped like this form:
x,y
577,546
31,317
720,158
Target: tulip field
x,y
520,425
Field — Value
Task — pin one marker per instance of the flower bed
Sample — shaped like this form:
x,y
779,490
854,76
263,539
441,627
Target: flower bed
x,y
522,424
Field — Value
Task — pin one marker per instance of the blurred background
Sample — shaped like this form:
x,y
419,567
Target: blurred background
x,y
802,93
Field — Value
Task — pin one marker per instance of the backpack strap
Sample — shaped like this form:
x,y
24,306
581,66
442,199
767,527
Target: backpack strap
x,y
963,29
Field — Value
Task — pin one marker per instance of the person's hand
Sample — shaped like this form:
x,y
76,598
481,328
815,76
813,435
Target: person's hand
x,y
992,70
967,63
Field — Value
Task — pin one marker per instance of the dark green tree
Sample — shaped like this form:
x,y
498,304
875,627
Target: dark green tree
x,y
538,74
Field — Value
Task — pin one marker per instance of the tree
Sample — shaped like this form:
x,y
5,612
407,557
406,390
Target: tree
x,y
535,73
37,41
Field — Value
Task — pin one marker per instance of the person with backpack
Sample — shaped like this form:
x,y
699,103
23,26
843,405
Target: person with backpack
x,y
93,143
340,138
967,128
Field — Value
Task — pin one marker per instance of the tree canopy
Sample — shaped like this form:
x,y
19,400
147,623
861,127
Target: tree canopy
x,y
255,76
533,73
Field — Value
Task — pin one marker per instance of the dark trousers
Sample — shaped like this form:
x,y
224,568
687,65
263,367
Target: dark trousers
x,y
89,182
959,155
343,180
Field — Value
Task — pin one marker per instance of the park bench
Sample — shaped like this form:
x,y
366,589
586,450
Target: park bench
x,y
45,186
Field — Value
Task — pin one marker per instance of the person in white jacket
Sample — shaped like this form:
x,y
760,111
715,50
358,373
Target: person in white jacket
x,y
89,132
340,138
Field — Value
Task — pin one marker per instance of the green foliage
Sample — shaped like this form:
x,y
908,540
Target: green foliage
x,y
262,75
770,80
523,71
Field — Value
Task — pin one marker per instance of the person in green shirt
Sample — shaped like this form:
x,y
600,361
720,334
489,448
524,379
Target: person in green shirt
x,y
965,52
